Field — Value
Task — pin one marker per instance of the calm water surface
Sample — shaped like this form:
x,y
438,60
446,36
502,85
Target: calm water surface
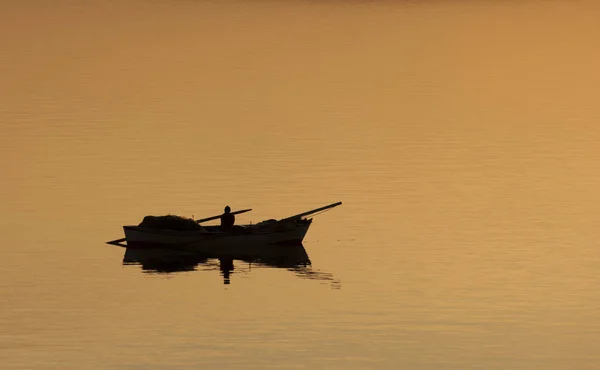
x,y
462,137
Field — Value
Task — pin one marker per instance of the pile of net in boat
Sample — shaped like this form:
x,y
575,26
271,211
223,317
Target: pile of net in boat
x,y
170,222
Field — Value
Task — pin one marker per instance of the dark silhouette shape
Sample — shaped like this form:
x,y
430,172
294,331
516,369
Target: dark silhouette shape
x,y
227,219
226,267
170,222
290,257
162,261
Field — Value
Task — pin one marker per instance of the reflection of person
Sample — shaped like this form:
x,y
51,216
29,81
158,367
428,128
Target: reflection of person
x,y
226,267
227,219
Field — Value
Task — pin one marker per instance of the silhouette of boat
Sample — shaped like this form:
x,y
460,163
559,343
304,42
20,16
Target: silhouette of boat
x,y
291,257
187,235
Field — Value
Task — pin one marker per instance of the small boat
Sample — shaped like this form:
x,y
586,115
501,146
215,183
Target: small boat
x,y
185,234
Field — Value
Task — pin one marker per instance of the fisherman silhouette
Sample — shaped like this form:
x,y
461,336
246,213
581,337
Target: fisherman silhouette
x,y
227,219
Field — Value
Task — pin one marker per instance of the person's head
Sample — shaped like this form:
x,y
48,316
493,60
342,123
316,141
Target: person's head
x,y
227,209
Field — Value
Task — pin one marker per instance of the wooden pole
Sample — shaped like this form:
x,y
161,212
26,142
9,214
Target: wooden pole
x,y
300,215
118,242
217,217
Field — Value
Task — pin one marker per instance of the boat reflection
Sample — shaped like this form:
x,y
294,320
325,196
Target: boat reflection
x,y
289,257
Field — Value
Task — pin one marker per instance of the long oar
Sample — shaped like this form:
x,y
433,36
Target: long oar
x,y
219,216
300,215
118,242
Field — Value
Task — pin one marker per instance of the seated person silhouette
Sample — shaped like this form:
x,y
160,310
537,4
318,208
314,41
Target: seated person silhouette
x,y
227,219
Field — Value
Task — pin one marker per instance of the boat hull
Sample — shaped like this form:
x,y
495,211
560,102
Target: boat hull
x,y
215,240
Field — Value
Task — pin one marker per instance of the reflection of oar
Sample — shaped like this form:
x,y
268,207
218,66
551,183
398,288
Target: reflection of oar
x,y
300,215
216,217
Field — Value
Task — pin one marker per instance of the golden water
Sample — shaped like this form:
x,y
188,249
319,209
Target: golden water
x,y
462,137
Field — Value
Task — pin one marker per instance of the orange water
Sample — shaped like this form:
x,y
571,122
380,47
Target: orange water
x,y
462,137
